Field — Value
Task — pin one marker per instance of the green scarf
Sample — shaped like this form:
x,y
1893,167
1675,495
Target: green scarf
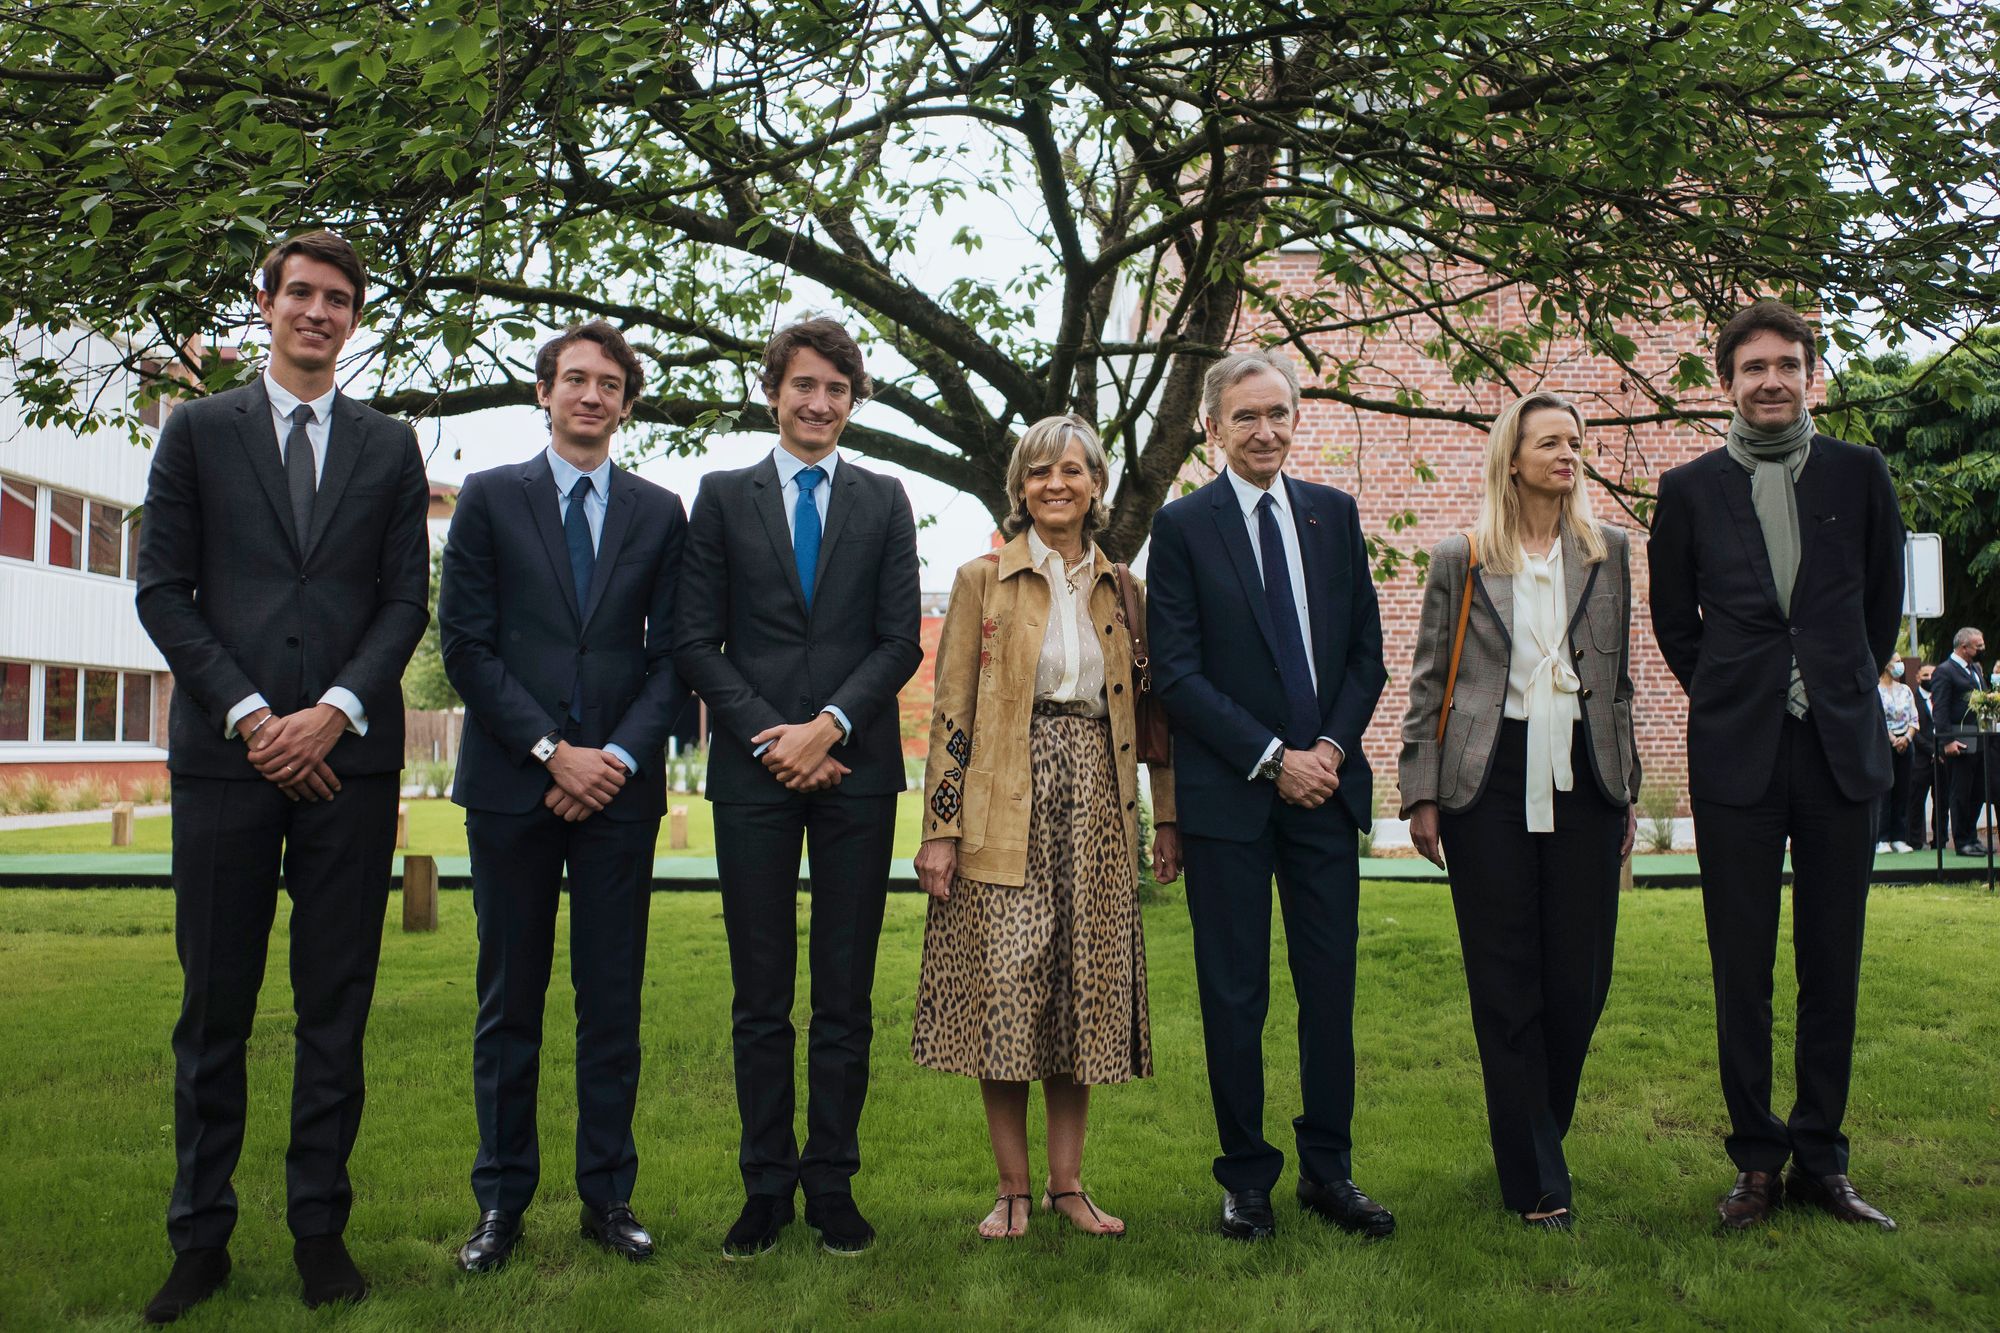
x,y
1774,460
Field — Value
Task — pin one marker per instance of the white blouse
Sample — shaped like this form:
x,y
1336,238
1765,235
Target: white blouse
x,y
1071,666
1541,684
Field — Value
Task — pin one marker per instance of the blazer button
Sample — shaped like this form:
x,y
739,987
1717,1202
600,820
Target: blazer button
x,y
1107,629
805,701
583,650
1795,630
291,641
1578,655
303,580
1124,745
1118,689
1586,694
1128,805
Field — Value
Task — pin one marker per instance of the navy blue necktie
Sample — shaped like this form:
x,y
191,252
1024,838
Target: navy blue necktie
x,y
582,565
805,530
1301,702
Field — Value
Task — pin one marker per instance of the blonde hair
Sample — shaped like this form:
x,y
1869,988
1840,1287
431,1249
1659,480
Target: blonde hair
x,y
1043,443
1498,531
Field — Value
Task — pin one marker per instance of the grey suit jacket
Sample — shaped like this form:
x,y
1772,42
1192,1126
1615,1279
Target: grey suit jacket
x,y
1599,604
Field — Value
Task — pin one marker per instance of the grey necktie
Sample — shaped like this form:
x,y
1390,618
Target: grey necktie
x,y
299,471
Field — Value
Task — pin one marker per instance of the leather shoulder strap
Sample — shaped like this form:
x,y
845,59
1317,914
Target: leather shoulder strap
x,y
1135,625
1458,636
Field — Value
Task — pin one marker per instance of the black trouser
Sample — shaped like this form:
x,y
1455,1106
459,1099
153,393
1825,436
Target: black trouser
x,y
1742,850
1315,857
848,841
517,873
1968,793
1889,823
1537,915
1926,809
230,840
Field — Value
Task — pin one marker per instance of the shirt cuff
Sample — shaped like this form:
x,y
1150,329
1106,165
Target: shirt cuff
x,y
1339,755
846,727
241,711
623,756
349,703
1273,748
758,753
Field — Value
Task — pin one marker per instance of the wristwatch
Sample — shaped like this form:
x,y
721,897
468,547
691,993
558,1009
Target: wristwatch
x,y
1273,766
544,748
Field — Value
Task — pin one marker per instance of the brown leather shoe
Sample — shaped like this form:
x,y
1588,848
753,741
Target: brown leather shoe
x,y
1836,1195
1750,1200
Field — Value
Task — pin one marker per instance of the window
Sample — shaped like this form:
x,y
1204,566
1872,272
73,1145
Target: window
x,y
132,547
59,703
138,708
14,701
105,546
100,705
65,530
17,519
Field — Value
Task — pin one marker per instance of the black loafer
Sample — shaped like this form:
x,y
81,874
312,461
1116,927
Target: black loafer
x,y
842,1229
195,1276
1347,1208
617,1231
757,1226
327,1271
491,1242
1247,1215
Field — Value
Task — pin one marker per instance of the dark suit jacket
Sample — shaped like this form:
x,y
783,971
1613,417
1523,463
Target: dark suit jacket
x,y
748,647
1715,614
239,604
1952,684
1215,663
1923,745
516,642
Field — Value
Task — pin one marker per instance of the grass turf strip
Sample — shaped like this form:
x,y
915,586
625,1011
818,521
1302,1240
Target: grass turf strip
x,y
89,988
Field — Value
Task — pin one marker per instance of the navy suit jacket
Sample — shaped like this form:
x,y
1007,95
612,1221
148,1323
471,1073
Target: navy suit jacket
x,y
1215,661
1952,684
516,641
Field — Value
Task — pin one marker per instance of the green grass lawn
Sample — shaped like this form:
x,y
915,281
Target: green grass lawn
x,y
89,987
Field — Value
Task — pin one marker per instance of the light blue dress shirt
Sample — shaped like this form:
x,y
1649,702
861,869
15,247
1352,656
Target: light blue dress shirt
x,y
594,505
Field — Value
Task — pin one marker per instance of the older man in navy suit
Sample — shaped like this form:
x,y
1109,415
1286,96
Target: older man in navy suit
x,y
1267,653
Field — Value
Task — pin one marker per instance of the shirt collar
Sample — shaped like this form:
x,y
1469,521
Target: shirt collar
x,y
1040,552
790,464
566,473
1248,495
284,402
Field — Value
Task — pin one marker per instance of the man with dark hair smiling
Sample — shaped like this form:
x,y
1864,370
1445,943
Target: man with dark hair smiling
x,y
1777,577
283,573
799,618
557,616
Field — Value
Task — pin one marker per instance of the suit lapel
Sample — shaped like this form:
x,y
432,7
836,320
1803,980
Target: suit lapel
x,y
768,498
1316,566
1229,526
259,441
538,492
848,482
346,435
1498,594
1578,579
1735,484
617,522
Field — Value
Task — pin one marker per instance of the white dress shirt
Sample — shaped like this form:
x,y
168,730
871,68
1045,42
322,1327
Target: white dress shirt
x,y
789,467
1541,684
283,403
566,474
1249,496
1070,667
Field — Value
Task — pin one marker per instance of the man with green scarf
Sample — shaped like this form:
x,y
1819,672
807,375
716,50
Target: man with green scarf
x,y
1777,576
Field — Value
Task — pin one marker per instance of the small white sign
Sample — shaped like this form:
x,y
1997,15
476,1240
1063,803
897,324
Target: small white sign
x,y
1923,576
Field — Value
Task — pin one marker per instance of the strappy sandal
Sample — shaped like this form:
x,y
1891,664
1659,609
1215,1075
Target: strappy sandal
x,y
1560,1220
1049,1204
1009,1233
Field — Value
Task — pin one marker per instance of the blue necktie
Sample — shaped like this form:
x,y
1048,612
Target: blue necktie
x,y
1301,702
805,531
582,564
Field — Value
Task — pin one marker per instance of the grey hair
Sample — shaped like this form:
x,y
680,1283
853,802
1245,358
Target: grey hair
x,y
1240,366
1964,636
1043,443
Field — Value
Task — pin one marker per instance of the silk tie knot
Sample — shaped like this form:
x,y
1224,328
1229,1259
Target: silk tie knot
x,y
810,478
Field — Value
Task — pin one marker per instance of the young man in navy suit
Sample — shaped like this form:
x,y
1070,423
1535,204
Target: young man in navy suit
x,y
1267,653
557,617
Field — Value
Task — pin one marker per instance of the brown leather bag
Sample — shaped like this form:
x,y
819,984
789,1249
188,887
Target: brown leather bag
x,y
1458,639
1149,719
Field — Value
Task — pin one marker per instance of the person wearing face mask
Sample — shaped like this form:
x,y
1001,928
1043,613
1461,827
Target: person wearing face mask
x,y
1899,716
1958,676
1519,762
1923,765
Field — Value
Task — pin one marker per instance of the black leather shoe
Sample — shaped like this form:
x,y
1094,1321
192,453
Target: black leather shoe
x,y
1836,1195
757,1226
617,1231
1750,1200
491,1242
195,1276
1247,1215
328,1272
1347,1208
842,1229
1971,849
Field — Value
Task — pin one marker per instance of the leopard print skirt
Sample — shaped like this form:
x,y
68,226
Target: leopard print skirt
x,y
1048,979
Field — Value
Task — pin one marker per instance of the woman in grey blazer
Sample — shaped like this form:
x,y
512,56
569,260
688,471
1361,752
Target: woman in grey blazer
x,y
1529,782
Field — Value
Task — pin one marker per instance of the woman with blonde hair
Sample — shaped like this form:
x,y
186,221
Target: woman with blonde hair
x,y
1034,963
1518,763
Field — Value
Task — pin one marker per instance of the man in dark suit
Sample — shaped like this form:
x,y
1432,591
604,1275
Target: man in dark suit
x,y
798,624
1951,707
1777,578
1923,764
556,613
283,572
1267,653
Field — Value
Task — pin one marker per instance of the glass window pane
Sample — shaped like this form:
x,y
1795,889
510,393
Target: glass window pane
x,y
100,705
58,703
138,707
17,518
65,530
13,701
132,547
104,544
